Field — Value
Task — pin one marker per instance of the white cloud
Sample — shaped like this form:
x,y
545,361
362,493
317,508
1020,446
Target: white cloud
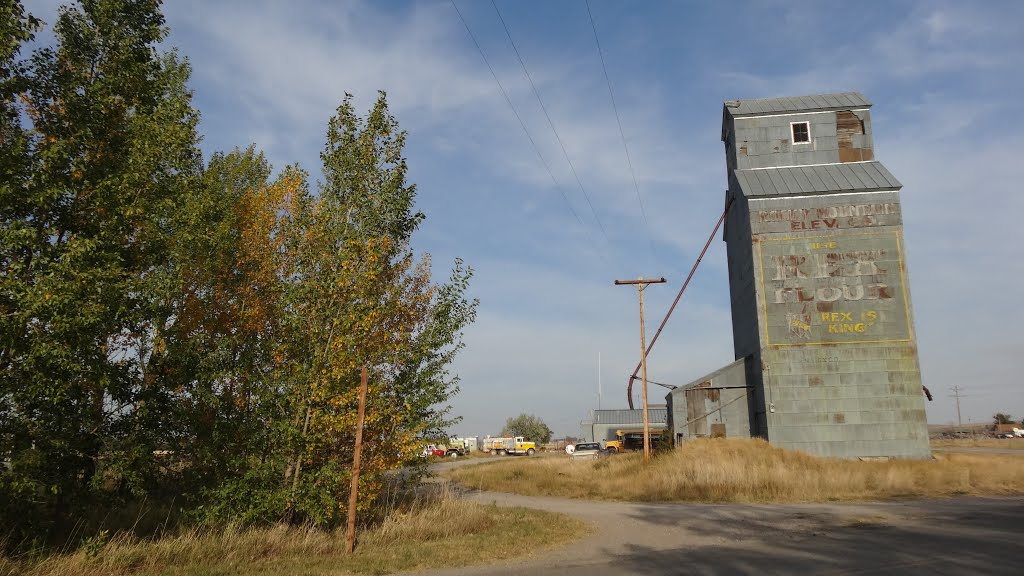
x,y
288,68
932,39
962,235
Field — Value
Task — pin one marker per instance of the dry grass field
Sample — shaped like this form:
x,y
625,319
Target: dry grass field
x,y
1002,443
447,532
742,470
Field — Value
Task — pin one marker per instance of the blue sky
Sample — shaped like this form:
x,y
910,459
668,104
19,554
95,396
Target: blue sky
x,y
946,80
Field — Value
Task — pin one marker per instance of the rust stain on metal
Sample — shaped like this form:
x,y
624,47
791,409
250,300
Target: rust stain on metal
x,y
718,430
848,125
743,149
910,415
697,424
824,306
814,381
839,418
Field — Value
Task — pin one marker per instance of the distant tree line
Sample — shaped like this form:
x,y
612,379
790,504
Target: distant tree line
x,y
188,331
529,427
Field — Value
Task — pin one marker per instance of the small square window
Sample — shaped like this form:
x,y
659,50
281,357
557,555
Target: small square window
x,y
801,132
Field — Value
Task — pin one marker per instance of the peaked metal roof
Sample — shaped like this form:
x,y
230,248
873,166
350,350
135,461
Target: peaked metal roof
x,y
816,103
816,179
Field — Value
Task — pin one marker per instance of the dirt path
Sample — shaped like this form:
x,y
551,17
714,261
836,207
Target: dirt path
x,y
956,536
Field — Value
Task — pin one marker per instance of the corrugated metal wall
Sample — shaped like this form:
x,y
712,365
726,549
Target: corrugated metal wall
x,y
766,141
654,414
717,405
604,423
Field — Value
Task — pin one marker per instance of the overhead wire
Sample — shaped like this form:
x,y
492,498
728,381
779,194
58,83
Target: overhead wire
x,y
664,321
618,121
504,93
551,124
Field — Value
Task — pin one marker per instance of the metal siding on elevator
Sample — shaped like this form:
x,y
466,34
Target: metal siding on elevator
x,y
818,282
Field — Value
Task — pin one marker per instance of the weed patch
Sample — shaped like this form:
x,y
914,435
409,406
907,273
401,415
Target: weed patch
x,y
440,531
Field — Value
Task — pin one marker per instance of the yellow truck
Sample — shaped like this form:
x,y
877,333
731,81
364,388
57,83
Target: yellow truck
x,y
511,445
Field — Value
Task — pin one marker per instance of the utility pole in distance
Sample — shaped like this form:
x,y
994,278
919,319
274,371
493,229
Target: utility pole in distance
x,y
959,420
640,285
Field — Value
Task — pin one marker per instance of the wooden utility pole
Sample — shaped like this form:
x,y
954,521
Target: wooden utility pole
x,y
640,285
353,496
959,420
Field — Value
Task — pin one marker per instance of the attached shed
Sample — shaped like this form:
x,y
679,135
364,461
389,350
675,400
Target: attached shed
x,y
716,405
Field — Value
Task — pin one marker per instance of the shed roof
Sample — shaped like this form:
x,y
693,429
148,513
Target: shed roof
x,y
815,103
659,414
816,179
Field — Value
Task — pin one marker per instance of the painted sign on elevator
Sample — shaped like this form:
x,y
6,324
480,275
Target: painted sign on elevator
x,y
840,288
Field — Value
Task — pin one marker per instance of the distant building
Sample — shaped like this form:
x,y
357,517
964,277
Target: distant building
x,y
603,424
822,326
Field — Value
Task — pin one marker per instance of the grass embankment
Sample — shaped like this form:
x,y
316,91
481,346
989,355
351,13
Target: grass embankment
x,y
740,470
1004,443
444,533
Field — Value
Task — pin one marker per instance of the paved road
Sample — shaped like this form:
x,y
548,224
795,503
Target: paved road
x,y
933,537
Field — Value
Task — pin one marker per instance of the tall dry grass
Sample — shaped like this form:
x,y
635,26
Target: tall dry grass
x,y
742,470
438,531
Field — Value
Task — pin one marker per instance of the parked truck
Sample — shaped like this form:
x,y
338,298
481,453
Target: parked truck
x,y
511,445
632,440
454,448
457,447
433,450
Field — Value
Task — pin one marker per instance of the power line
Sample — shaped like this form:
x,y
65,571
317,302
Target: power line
x,y
629,385
618,120
514,111
550,123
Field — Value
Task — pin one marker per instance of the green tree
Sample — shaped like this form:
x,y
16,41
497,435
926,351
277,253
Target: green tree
x,y
225,297
108,145
170,328
528,426
16,27
1001,418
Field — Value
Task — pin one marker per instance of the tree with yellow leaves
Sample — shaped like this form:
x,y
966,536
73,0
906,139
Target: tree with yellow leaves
x,y
354,294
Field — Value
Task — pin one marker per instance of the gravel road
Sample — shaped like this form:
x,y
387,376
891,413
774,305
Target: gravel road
x,y
934,537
